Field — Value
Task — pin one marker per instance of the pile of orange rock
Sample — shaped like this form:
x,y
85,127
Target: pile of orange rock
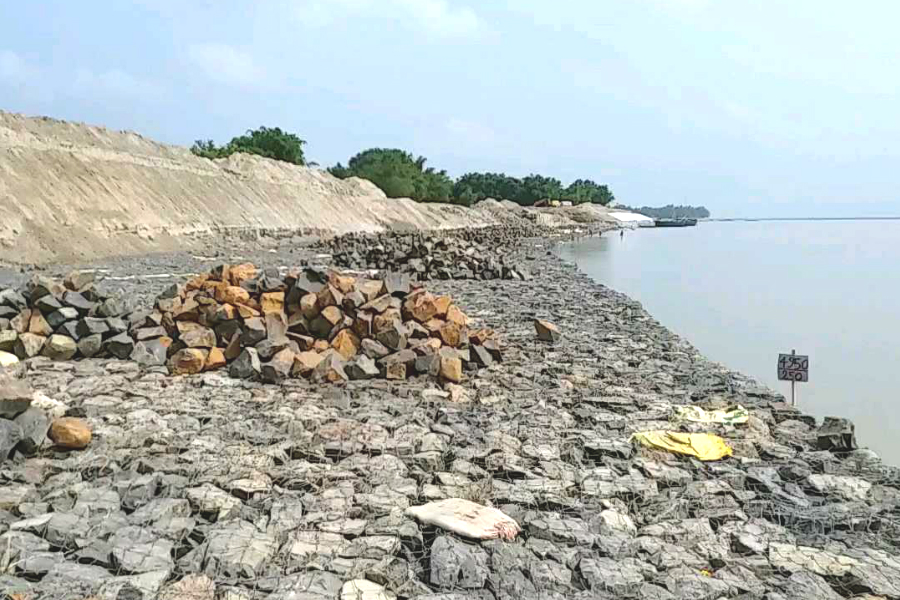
x,y
313,324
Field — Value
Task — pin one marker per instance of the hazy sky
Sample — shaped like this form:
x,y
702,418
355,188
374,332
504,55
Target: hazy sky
x,y
751,107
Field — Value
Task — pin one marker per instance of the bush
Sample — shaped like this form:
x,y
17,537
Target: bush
x,y
269,142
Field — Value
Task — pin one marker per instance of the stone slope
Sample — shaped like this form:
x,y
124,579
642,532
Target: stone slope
x,y
70,192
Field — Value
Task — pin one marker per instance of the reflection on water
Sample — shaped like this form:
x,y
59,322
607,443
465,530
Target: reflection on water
x,y
742,292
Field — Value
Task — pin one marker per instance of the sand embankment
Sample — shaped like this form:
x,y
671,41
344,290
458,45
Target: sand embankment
x,y
70,191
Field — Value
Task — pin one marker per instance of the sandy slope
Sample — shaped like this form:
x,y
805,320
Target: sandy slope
x,y
70,191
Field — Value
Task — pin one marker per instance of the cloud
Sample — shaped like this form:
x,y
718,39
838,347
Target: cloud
x,y
115,83
226,64
437,17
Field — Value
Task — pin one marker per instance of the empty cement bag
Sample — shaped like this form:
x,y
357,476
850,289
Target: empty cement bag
x,y
733,415
704,446
466,518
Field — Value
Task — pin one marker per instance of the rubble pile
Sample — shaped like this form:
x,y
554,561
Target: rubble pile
x,y
480,253
311,323
62,320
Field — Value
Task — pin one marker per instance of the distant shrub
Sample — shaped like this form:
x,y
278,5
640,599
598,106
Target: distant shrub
x,y
269,142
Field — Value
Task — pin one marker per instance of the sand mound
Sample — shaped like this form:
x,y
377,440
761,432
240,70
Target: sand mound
x,y
70,191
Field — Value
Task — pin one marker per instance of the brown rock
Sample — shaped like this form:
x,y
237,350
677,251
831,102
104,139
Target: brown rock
x,y
38,325
215,359
200,337
233,349
346,344
480,336
233,295
331,369
443,304
308,308
21,321
385,320
362,326
451,369
70,433
434,326
276,328
321,346
420,307
416,331
333,315
391,364
188,361
379,304
189,310
184,327
29,345
395,372
344,283
247,312
329,296
458,394
304,342
456,316
78,280
429,346
370,288
272,302
168,305
546,331
394,337
374,349
305,363
279,368
59,347
451,335
196,283
240,273
493,346
225,312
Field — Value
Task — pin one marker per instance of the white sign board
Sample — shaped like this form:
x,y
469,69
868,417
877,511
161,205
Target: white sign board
x,y
793,367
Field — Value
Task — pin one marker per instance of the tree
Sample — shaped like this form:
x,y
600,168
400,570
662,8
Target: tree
x,y
585,190
399,174
269,142
538,187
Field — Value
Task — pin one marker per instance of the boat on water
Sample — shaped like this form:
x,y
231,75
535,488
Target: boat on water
x,y
675,222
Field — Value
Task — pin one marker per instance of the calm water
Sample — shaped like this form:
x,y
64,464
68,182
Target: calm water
x,y
743,292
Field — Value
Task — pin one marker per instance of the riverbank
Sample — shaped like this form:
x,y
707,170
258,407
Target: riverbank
x,y
247,484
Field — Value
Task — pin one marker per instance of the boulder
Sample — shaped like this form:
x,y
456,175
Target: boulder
x,y
120,346
29,345
150,353
90,326
331,368
215,359
361,367
78,280
15,397
10,436
70,433
7,359
77,301
346,344
188,361
451,368
246,365
8,340
64,314
836,435
253,332
279,368
546,331
233,294
199,337
374,349
90,345
393,336
305,363
272,302
34,424
396,284
59,347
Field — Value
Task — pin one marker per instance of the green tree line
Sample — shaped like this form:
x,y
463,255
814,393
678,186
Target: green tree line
x,y
400,174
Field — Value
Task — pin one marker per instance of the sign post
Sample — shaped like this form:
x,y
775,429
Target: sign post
x,y
793,367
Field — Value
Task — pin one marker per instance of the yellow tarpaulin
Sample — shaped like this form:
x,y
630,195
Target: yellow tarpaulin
x,y
733,415
704,446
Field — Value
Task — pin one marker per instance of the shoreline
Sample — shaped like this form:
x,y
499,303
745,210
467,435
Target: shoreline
x,y
545,438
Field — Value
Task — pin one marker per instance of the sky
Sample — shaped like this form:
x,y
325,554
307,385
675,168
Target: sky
x,y
752,108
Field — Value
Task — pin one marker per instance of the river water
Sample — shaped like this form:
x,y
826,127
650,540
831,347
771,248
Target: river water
x,y
742,292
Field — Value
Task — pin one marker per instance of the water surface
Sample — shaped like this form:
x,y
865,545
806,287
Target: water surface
x,y
742,292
